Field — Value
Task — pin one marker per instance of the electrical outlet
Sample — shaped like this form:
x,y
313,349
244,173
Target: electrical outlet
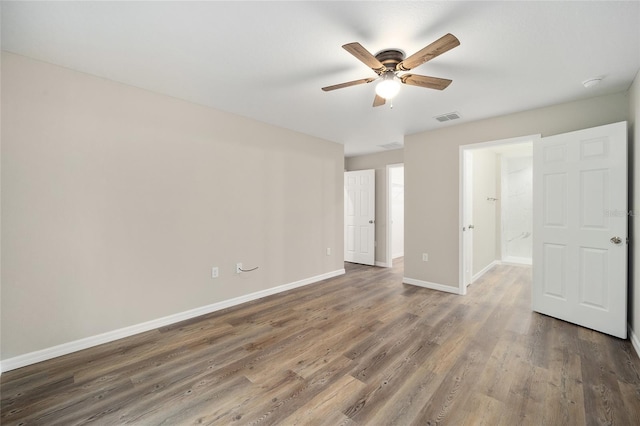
x,y
328,251
425,257
238,268
214,272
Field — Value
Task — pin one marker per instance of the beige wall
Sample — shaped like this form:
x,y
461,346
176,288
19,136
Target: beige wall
x,y
379,162
432,175
116,203
634,205
485,213
0,206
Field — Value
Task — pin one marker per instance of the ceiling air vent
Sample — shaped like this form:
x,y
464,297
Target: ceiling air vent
x,y
448,116
392,145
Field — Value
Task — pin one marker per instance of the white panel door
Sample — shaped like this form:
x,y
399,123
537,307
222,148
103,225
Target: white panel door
x,y
580,228
359,216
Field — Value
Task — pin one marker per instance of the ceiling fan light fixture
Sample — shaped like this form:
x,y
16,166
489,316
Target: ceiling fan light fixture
x,y
389,87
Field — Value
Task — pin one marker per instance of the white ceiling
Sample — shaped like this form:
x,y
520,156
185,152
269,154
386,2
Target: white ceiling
x,y
268,60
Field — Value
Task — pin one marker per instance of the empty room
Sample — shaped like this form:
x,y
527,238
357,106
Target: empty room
x,y
319,213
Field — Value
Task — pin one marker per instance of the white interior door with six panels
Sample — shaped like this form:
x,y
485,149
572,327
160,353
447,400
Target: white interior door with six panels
x,y
359,216
580,228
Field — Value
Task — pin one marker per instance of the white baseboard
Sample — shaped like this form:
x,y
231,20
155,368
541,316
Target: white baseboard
x,y
397,255
432,286
88,342
383,264
517,260
485,270
635,342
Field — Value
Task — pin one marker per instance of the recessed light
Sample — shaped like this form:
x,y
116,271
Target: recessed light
x,y
591,82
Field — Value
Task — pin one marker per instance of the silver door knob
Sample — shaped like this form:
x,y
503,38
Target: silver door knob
x,y
471,227
370,221
616,240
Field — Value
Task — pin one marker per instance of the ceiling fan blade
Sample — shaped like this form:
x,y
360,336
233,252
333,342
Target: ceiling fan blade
x,y
349,83
438,47
364,56
378,101
425,81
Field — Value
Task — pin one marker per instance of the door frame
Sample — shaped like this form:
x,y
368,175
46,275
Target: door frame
x,y
462,288
389,253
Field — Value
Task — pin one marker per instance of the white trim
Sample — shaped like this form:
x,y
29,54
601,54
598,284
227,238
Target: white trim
x,y
383,264
110,336
635,342
397,255
513,260
503,197
485,270
432,286
462,288
462,188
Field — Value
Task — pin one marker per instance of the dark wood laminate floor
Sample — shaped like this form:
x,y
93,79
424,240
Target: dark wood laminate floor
x,y
361,349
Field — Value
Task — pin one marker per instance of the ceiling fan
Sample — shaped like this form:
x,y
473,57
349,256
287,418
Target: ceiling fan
x,y
390,63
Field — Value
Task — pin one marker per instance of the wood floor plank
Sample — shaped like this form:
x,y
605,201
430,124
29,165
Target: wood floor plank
x,y
329,348
480,410
455,389
408,398
392,368
566,397
359,349
498,373
292,398
603,401
326,404
631,398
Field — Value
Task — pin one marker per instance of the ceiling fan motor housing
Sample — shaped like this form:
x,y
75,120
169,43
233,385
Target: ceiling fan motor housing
x,y
390,58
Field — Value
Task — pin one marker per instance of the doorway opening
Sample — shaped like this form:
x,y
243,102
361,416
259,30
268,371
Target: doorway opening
x,y
395,213
495,206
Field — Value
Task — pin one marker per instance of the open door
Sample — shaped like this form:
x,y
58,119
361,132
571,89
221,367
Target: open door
x,y
580,228
359,217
